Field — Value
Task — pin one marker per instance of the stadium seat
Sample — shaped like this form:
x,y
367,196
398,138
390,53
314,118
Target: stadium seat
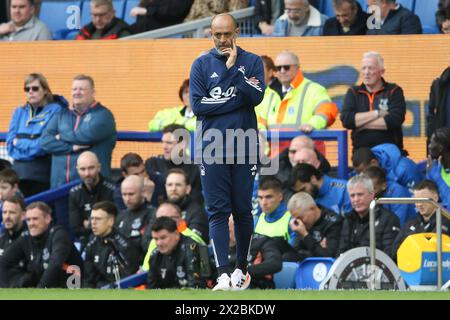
x,y
60,16
326,7
312,271
130,5
119,5
426,11
285,279
363,4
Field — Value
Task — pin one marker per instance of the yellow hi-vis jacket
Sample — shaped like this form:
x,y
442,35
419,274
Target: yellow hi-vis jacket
x,y
169,116
268,104
279,228
307,103
184,230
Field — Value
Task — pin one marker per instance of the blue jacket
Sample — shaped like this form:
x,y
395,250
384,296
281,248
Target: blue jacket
x,y
314,25
333,195
96,127
404,212
435,174
398,168
225,99
30,161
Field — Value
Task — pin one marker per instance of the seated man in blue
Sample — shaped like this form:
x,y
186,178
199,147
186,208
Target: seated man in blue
x,y
439,150
388,156
384,188
328,192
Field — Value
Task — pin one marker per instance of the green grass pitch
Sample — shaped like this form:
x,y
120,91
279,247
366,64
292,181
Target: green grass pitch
x,y
193,294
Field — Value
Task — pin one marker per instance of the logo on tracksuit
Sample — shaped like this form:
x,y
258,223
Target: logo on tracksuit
x,y
202,170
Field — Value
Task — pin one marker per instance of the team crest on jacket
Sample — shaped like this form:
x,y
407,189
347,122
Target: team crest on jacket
x,y
384,104
291,110
242,69
316,235
180,272
45,254
136,223
87,118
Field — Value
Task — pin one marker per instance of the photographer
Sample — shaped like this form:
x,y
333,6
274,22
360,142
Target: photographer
x,y
176,263
109,255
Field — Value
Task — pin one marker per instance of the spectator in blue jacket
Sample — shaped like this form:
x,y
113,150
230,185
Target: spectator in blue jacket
x,y
328,192
299,19
393,19
384,188
87,126
387,156
31,163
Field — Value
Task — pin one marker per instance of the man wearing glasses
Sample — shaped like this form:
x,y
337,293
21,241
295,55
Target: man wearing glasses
x,y
306,105
225,86
108,252
299,19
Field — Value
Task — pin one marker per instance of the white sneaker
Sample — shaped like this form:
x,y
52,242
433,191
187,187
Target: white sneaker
x,y
239,281
223,283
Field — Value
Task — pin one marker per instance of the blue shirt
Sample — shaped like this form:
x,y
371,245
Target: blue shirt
x,y
333,195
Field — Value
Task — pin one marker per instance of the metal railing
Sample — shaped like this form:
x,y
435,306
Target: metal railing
x,y
194,29
440,210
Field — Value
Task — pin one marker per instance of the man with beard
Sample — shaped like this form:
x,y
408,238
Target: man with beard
x,y
93,188
13,214
225,86
328,192
178,191
133,221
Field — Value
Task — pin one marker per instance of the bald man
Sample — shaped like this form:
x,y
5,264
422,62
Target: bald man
x,y
92,189
288,158
225,86
133,221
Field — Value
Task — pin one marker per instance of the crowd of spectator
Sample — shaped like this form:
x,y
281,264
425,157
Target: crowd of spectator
x,y
153,218
272,18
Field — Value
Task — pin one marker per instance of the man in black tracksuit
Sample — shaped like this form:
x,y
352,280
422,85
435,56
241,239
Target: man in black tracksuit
x,y
178,192
108,251
163,163
439,104
355,228
174,264
13,214
43,253
133,221
426,221
93,188
317,230
375,110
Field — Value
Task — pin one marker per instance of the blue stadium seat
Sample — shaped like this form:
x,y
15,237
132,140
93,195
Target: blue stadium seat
x,y
119,5
312,271
363,4
130,5
326,8
426,11
285,279
60,16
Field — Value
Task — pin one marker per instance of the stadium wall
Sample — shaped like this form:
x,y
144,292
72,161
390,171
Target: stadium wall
x,y
135,78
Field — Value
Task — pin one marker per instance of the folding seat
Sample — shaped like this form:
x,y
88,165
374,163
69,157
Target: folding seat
x,y
60,16
285,279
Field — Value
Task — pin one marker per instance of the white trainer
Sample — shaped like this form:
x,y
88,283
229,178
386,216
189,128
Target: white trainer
x,y
223,283
239,281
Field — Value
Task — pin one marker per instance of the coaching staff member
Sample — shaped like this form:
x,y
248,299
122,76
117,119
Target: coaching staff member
x,y
225,86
